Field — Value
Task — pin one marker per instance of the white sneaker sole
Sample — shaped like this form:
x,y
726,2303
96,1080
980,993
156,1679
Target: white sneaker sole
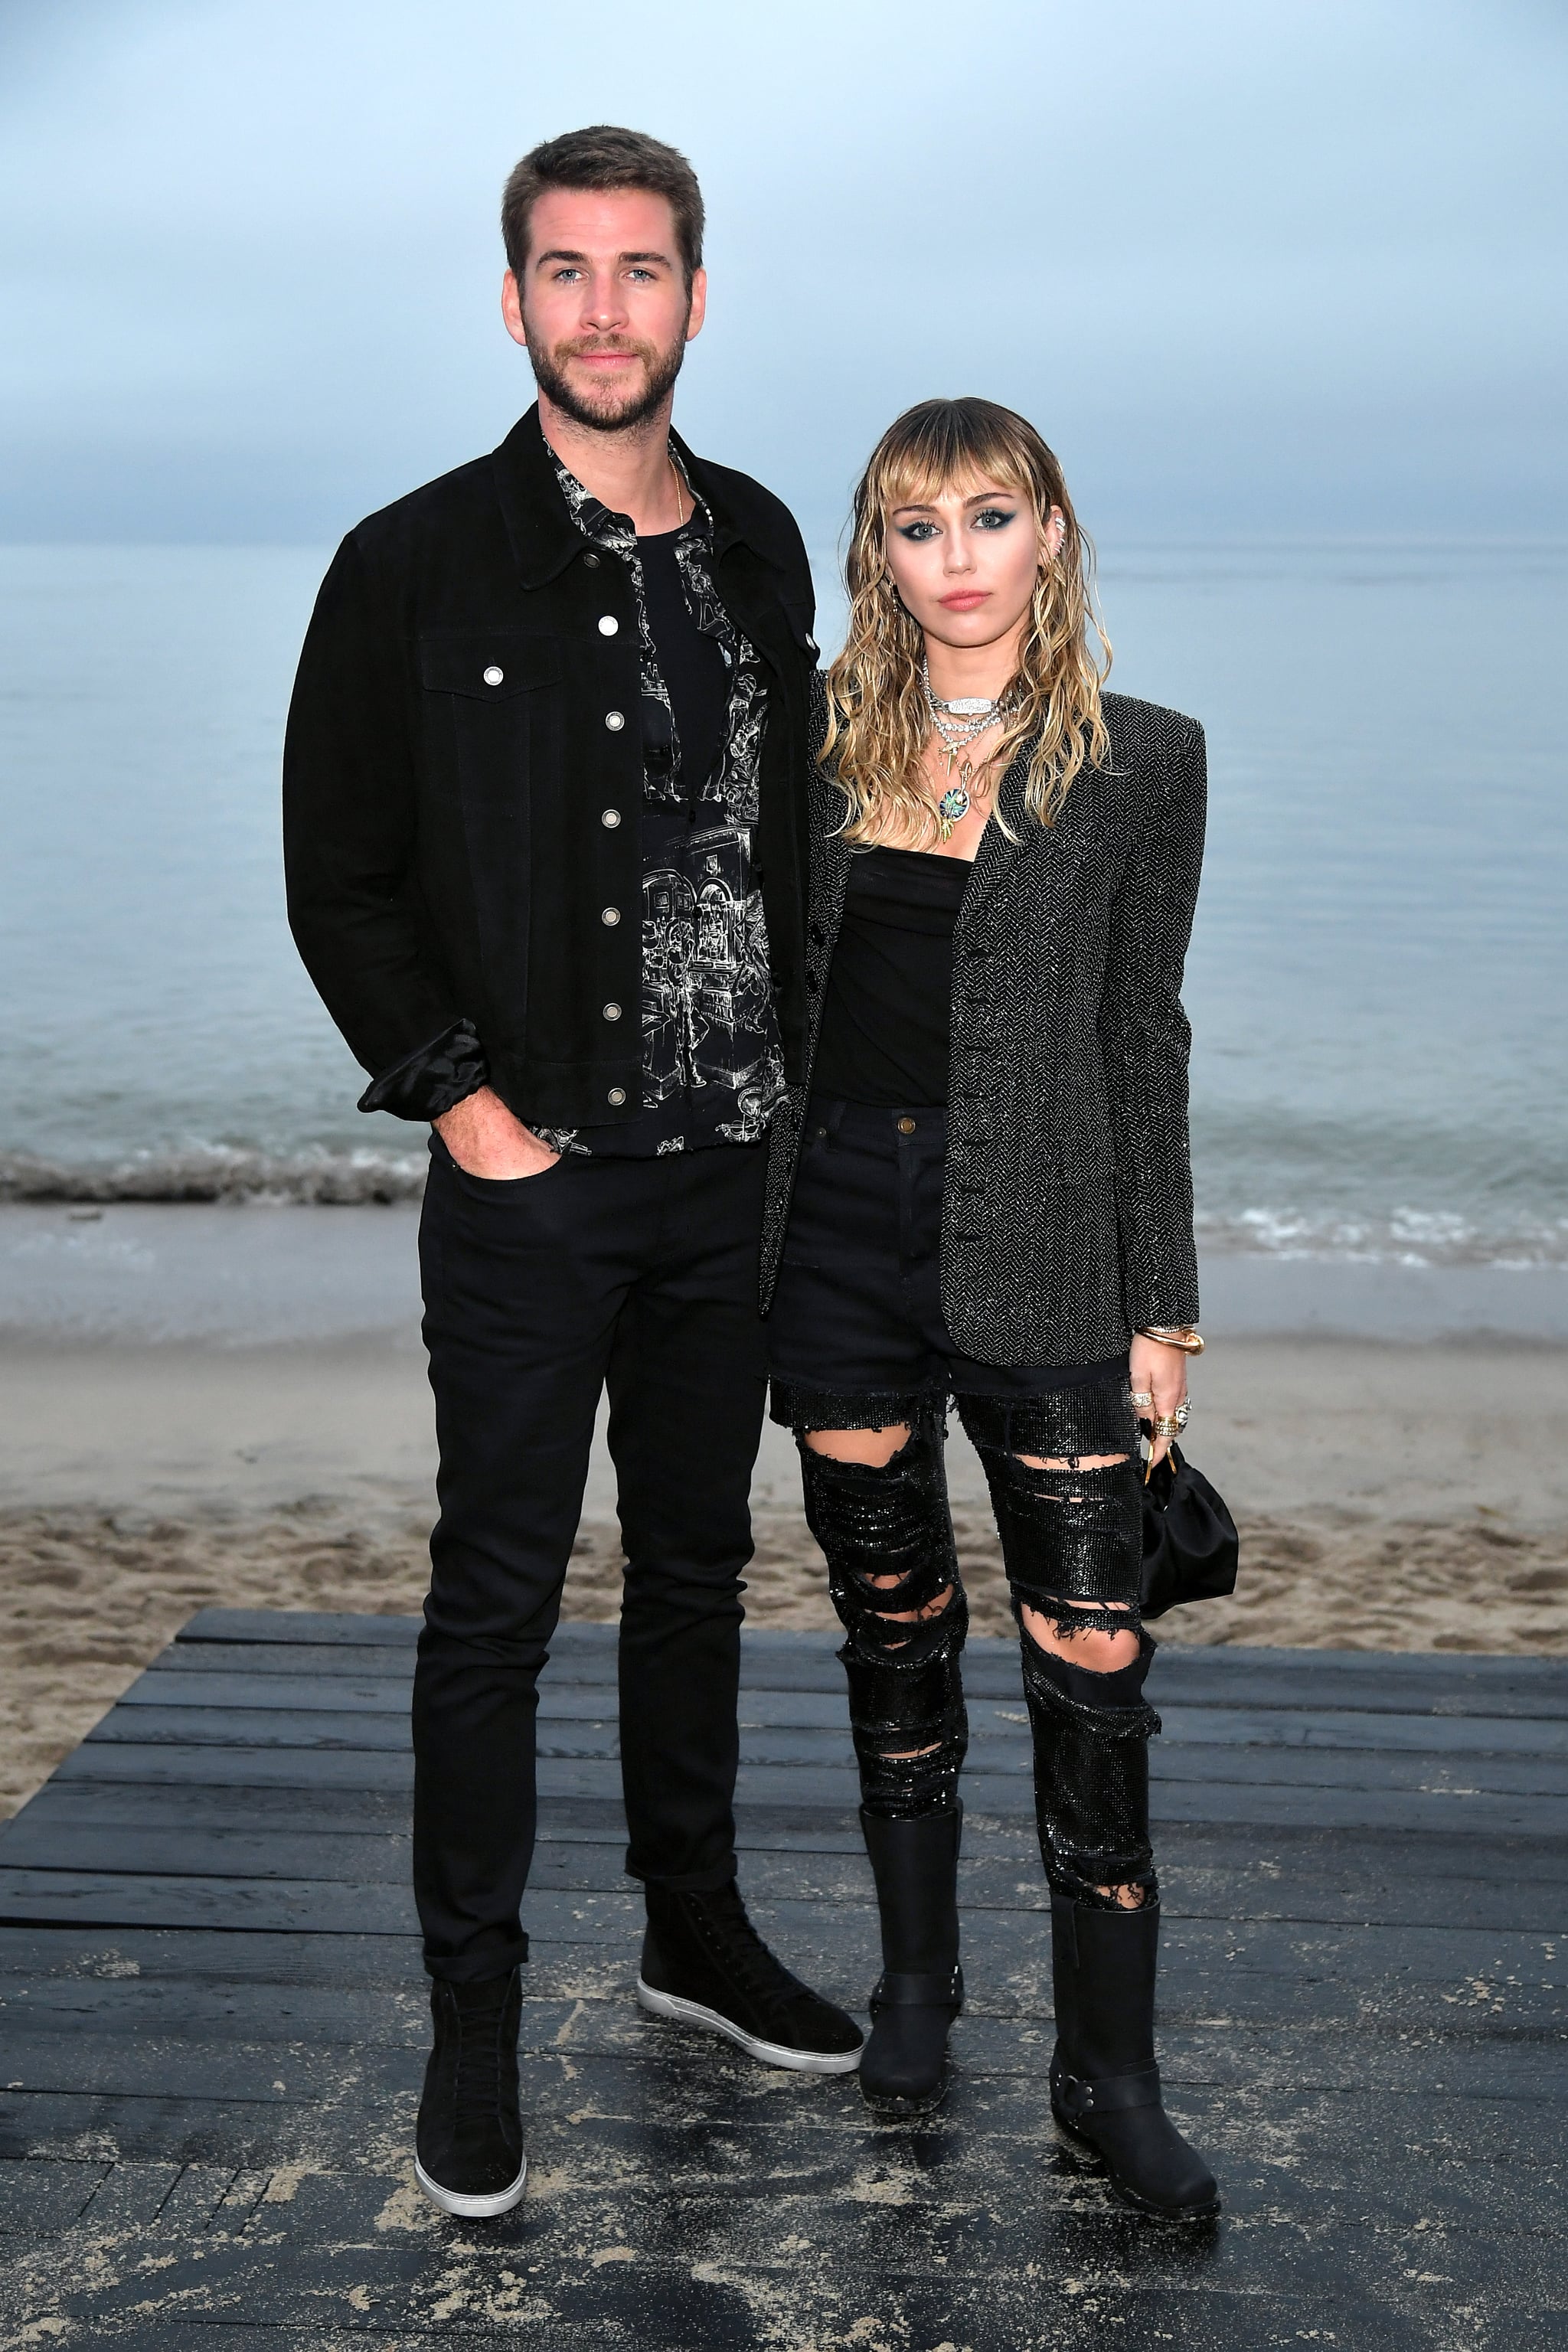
x,y
471,2209
770,2054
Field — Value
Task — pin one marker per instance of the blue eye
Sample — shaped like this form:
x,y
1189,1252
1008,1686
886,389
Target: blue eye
x,y
916,530
994,517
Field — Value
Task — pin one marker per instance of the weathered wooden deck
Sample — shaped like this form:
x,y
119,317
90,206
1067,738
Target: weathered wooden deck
x,y
214,2022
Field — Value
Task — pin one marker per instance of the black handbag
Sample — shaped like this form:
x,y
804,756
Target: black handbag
x,y
1190,1543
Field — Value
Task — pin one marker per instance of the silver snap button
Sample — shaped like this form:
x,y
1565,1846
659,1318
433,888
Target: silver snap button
x,y
612,1012
617,1096
614,720
592,562
494,675
610,819
612,915
608,626
811,646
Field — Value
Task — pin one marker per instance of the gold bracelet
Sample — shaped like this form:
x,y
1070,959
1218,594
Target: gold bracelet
x,y
1172,1335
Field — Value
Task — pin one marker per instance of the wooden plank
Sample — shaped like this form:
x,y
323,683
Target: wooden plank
x,y
106,1899
310,1811
45,2194
164,1765
1211,1726
302,1740
368,1661
313,1627
1454,1985
289,1694
1379,1681
1301,2133
717,2292
250,1726
1223,1873
1486,1977
64,1835
190,1710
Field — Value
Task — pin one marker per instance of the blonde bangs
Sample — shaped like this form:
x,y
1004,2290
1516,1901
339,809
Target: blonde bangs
x,y
878,718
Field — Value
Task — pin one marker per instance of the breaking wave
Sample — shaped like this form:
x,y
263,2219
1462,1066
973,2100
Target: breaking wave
x,y
220,1173
320,1176
1404,1237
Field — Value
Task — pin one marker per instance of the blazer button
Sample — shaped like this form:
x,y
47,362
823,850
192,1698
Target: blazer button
x,y
493,676
612,916
610,819
612,1012
811,979
617,1096
614,720
608,626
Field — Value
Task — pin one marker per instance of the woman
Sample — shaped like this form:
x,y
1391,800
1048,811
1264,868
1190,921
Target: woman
x,y
987,1198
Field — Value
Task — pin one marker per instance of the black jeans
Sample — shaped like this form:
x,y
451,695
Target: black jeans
x,y
640,1273
858,1341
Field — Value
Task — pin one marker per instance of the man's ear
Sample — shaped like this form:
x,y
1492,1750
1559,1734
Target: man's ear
x,y
512,309
698,303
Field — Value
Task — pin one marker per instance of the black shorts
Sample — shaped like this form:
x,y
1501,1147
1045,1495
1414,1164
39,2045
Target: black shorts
x,y
857,1337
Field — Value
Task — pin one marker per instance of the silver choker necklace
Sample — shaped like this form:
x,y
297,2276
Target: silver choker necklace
x,y
960,723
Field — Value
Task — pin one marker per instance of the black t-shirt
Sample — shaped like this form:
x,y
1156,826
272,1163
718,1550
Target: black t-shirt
x,y
690,663
884,1036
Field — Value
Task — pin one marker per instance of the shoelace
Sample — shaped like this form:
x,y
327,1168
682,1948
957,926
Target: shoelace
x,y
721,1922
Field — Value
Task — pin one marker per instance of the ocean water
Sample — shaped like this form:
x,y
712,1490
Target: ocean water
x,y
1379,978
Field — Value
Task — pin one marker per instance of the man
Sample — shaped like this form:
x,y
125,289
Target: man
x,y
546,865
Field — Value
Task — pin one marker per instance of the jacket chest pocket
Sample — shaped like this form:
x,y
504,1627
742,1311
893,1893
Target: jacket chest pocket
x,y
489,696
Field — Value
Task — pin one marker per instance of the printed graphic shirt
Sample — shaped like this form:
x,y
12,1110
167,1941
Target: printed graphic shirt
x,y
712,1062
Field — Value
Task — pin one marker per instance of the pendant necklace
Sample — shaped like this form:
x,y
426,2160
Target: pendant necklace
x,y
960,723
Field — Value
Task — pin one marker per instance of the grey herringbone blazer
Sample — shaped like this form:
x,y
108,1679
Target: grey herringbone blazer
x,y
1067,1206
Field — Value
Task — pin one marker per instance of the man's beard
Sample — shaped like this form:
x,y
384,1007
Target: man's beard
x,y
615,412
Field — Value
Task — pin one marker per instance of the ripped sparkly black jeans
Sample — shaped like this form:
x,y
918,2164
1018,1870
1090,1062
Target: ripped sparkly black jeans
x,y
858,1341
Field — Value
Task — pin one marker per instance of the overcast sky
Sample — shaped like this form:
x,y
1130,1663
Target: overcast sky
x,y
1252,266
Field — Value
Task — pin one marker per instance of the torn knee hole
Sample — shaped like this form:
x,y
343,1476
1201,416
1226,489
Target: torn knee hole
x,y
1073,1461
933,1608
870,1449
1090,1646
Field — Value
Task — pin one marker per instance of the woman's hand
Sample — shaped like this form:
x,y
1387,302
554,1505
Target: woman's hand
x,y
1160,1372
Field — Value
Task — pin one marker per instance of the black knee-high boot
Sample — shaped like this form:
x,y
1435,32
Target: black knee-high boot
x,y
903,2068
1105,2084
887,1535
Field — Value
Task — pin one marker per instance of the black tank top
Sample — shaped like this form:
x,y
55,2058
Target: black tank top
x,y
884,1034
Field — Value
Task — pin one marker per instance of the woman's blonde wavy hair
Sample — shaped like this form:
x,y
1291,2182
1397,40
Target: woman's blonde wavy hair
x,y
877,719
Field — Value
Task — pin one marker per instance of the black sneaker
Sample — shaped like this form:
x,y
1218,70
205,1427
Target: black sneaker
x,y
469,2155
703,1963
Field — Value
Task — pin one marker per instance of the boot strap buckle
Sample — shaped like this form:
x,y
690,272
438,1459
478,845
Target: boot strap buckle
x,y
1105,2094
906,1988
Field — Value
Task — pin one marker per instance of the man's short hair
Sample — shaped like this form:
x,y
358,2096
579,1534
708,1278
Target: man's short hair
x,y
603,157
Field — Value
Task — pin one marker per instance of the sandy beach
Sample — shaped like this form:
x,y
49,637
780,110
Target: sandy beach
x,y
1399,1492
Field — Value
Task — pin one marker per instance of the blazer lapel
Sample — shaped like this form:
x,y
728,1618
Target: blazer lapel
x,y
996,855
1054,850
